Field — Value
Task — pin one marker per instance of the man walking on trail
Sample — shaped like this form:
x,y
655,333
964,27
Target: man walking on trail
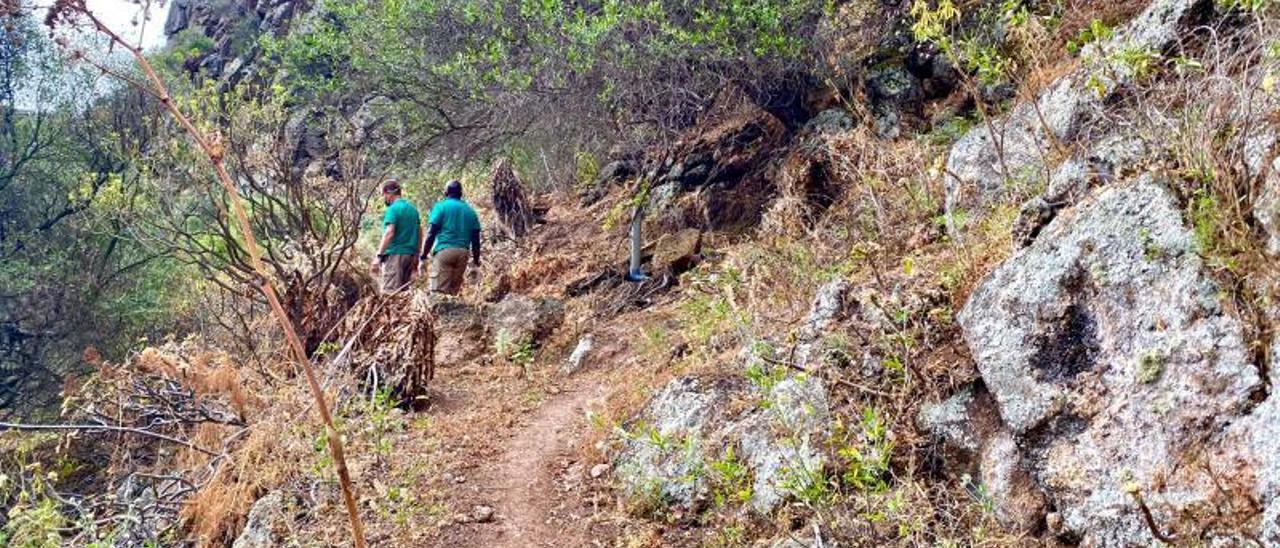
x,y
401,238
455,227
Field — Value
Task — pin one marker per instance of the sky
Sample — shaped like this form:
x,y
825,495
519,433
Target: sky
x,y
120,16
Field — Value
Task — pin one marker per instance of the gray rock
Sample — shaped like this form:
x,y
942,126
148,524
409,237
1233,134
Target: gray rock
x,y
969,425
1017,500
267,521
781,443
179,17
1102,336
521,318
978,168
966,421
828,122
829,306
482,514
1070,182
664,448
667,452
579,355
1267,208
599,470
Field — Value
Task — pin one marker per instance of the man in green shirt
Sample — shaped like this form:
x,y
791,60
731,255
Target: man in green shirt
x,y
401,239
455,227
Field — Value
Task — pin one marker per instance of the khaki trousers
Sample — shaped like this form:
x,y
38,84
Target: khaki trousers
x,y
448,269
397,272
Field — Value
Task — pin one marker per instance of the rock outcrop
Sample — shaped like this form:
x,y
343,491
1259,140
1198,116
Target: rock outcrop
x,y
518,318
1018,145
668,452
1112,367
267,520
234,28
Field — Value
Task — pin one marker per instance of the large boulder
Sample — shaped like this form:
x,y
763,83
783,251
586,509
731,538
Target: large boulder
x,y
677,253
1103,336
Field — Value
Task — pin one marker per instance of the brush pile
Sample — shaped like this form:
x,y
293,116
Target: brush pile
x,y
391,338
509,201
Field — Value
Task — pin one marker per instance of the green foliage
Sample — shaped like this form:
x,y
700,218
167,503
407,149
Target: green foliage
x,y
501,64
382,418
713,311
1207,220
731,480
989,52
1246,6
34,524
807,483
868,453
517,350
1097,31
587,168
1151,250
72,275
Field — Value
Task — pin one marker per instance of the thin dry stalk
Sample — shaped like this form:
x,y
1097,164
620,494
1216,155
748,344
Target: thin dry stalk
x,y
211,145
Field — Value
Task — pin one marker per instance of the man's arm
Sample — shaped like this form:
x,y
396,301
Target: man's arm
x,y
422,242
387,236
475,247
382,247
430,242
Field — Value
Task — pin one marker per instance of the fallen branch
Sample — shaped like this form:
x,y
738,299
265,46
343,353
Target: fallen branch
x,y
105,428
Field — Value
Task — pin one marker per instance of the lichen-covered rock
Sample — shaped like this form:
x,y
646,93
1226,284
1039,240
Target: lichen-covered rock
x,y
268,519
966,421
1103,336
669,449
520,318
1267,208
1111,157
664,448
781,442
979,168
1017,500
829,306
978,444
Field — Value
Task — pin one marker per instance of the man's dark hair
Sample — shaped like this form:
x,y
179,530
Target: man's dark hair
x,y
453,189
391,186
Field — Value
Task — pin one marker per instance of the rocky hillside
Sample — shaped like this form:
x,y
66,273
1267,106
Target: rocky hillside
x,y
999,274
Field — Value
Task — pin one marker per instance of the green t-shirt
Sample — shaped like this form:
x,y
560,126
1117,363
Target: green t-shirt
x,y
457,223
405,218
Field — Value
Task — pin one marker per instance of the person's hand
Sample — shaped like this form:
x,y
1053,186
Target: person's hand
x,y
417,272
375,266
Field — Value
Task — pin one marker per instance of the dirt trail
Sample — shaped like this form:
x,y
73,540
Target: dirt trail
x,y
530,473
532,480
